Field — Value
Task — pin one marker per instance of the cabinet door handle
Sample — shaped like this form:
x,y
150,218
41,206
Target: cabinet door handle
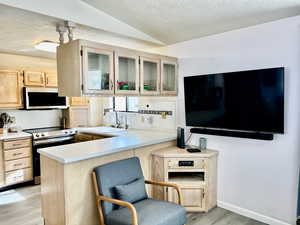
x,y
42,79
47,80
112,85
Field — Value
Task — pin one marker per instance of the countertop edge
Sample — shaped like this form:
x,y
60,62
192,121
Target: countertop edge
x,y
111,151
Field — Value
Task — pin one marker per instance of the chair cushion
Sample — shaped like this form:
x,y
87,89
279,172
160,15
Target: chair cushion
x,y
116,173
132,192
150,212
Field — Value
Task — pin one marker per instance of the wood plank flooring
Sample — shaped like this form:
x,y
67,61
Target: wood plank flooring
x,y
22,206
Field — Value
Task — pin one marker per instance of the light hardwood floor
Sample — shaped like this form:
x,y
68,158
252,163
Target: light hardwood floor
x,y
22,206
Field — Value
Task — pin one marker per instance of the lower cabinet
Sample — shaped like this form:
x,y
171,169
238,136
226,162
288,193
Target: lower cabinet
x,y
194,173
15,161
192,197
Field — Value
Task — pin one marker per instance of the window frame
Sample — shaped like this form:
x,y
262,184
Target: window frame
x,y
126,104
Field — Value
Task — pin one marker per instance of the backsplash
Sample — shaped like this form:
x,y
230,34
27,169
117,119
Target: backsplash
x,y
144,120
35,118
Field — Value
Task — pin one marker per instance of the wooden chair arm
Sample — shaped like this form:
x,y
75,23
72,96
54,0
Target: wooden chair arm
x,y
121,203
177,188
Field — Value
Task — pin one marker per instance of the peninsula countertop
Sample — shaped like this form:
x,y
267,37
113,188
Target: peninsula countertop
x,y
118,140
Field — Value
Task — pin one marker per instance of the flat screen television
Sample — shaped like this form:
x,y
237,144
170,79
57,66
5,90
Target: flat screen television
x,y
242,101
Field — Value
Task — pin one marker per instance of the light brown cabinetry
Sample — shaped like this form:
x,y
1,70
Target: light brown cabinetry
x,y
91,69
79,101
51,80
10,89
40,79
169,74
98,71
150,76
77,117
34,79
127,73
194,173
15,161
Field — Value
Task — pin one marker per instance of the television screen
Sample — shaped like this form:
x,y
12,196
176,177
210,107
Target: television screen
x,y
245,101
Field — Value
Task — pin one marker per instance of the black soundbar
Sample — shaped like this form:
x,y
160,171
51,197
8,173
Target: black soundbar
x,y
228,133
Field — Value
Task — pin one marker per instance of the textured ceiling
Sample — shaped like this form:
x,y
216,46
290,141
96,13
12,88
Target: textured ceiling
x,y
172,21
21,30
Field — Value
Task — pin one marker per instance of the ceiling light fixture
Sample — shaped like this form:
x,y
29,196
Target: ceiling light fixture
x,y
48,46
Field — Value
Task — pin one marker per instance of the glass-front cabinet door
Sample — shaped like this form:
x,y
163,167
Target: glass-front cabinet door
x,y
126,74
97,71
150,76
169,78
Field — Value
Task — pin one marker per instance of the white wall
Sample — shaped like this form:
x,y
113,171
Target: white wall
x,y
147,121
256,178
36,118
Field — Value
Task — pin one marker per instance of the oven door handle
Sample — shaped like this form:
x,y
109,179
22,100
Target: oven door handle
x,y
53,140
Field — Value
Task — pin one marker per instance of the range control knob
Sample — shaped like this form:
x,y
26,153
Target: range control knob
x,y
37,135
43,135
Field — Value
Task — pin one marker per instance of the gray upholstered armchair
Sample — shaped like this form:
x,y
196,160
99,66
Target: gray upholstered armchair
x,y
122,199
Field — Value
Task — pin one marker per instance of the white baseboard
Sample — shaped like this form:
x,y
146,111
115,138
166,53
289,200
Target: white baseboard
x,y
251,214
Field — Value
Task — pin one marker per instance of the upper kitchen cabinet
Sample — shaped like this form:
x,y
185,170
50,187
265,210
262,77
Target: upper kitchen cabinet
x,y
51,80
169,75
127,73
98,73
85,69
10,89
34,79
150,75
91,69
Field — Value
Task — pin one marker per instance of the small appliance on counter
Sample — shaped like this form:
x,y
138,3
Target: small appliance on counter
x,y
180,138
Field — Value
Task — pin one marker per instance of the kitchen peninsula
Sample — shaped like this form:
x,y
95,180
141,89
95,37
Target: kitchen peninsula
x,y
66,185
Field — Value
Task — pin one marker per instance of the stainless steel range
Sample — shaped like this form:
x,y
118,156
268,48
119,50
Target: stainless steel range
x,y
48,137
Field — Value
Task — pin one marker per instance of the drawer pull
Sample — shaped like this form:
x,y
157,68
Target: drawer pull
x,y
16,144
16,154
18,164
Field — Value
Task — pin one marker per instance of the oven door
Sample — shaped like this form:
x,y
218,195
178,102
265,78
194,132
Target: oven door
x,y
44,98
45,143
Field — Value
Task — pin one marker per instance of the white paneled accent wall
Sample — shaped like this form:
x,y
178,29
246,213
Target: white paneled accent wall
x,y
256,178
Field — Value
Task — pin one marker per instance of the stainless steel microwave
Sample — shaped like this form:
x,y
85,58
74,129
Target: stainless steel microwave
x,y
44,98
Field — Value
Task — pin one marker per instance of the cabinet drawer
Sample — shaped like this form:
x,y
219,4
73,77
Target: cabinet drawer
x,y
18,164
18,176
17,144
180,163
17,153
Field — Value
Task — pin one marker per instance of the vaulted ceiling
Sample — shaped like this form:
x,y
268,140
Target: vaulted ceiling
x,y
172,21
22,29
139,24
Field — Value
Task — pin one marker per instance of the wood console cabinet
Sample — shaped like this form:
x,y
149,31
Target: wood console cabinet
x,y
195,173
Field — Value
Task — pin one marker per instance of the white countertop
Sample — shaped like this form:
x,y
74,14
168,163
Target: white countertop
x,y
123,140
14,135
